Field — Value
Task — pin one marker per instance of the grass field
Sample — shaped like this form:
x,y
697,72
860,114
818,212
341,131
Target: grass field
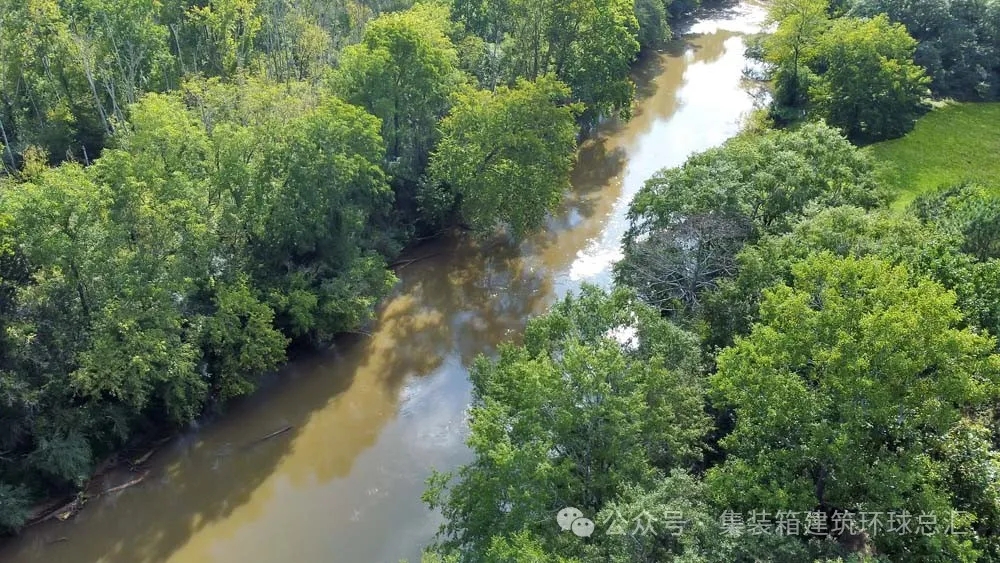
x,y
954,143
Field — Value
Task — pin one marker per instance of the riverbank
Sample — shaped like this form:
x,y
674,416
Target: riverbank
x,y
129,465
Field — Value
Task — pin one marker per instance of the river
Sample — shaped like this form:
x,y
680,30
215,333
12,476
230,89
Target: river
x,y
371,417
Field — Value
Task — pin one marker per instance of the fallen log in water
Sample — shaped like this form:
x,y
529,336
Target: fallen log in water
x,y
44,511
277,432
125,485
63,509
135,463
404,263
63,516
65,512
57,540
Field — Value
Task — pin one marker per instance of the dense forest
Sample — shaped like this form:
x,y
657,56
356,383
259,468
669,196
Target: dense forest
x,y
191,187
790,366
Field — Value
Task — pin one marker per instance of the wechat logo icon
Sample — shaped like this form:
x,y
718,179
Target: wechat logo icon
x,y
572,519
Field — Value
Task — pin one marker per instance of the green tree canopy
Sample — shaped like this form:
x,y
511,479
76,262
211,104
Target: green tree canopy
x,y
798,25
972,212
172,272
594,51
958,42
603,393
971,215
688,223
844,395
506,155
403,71
588,44
868,84
856,73
326,183
733,307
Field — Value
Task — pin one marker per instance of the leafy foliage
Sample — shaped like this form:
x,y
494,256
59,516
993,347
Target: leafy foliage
x,y
732,308
868,84
13,506
506,155
798,25
842,392
687,224
173,272
588,44
958,42
603,393
403,72
857,74
969,211
651,15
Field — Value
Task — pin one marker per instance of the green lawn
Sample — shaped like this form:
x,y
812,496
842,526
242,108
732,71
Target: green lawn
x,y
951,144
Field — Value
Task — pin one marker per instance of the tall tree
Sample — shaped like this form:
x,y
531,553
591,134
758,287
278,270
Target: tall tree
x,y
734,306
588,44
654,29
506,156
593,51
123,50
403,72
958,42
798,25
46,100
224,32
317,244
869,85
687,224
139,290
843,397
602,396
971,212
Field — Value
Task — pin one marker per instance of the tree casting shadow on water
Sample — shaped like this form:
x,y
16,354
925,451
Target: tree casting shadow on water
x,y
462,303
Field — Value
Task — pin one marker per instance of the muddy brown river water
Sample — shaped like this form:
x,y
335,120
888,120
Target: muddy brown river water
x,y
374,415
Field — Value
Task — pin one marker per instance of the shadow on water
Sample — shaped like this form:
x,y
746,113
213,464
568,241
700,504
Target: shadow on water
x,y
709,53
215,471
600,165
651,65
459,301
476,293
713,10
